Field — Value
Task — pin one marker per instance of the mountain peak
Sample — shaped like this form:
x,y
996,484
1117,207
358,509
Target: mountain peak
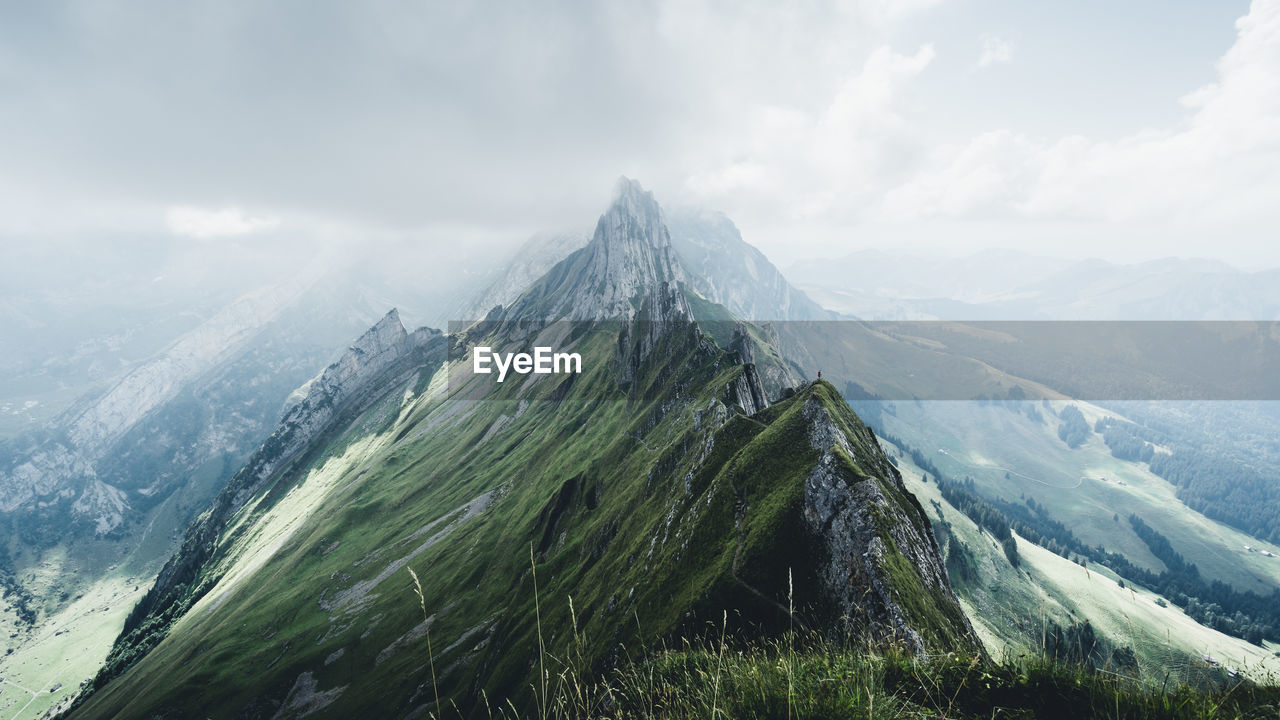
x,y
630,261
628,264
388,329
630,195
392,316
633,216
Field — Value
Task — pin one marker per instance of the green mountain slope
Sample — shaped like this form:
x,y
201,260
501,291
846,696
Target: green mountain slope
x,y
550,518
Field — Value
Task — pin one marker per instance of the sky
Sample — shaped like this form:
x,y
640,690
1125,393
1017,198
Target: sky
x,y
1126,131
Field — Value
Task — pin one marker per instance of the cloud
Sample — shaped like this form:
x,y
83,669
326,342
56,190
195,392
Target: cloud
x,y
994,52
1216,169
434,121
392,116
814,163
202,224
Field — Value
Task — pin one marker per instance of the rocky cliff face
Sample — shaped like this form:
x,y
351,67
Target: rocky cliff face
x,y
883,570
628,271
629,263
716,263
748,391
370,368
633,269
384,348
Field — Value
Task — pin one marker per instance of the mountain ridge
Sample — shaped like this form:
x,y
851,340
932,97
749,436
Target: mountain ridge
x,y
376,354
662,468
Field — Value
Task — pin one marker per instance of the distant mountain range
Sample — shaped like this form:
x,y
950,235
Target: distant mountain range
x,y
1008,285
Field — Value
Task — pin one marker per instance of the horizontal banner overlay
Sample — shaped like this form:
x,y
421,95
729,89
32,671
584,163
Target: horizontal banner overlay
x,y
927,360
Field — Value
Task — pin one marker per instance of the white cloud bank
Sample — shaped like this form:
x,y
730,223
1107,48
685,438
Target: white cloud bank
x,y
1220,165
811,165
820,127
203,224
869,164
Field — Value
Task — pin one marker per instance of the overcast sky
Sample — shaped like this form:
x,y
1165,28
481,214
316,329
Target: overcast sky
x,y
1126,131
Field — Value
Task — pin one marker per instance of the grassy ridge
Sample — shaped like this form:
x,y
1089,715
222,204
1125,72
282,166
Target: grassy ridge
x,y
650,509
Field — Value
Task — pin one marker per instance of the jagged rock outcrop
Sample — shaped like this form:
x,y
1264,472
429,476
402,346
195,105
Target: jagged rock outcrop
x,y
663,311
628,271
716,263
742,345
314,405
862,523
748,391
628,260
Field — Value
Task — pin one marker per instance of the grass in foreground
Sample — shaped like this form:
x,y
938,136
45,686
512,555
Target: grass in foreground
x,y
771,681
804,677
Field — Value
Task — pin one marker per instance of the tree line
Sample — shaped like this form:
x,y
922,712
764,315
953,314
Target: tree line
x,y
1074,429
13,592
1241,495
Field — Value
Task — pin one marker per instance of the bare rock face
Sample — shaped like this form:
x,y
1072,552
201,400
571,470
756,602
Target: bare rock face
x,y
741,344
628,271
882,562
748,391
371,356
378,361
43,474
630,255
628,264
712,259
104,504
